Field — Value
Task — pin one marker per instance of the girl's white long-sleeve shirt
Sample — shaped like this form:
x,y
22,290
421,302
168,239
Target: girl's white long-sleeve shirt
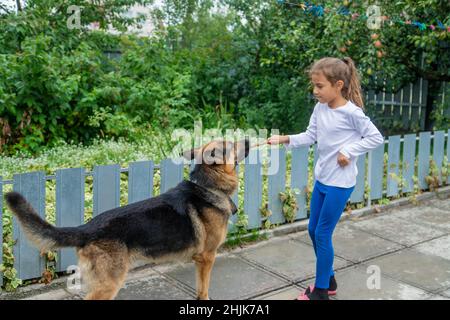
x,y
345,129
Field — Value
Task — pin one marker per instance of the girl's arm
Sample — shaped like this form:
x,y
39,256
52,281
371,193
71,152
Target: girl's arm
x,y
306,138
372,138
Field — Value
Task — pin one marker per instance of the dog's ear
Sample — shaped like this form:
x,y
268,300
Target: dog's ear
x,y
214,153
191,154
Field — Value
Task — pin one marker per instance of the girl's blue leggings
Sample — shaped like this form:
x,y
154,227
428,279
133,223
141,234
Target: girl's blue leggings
x,y
327,205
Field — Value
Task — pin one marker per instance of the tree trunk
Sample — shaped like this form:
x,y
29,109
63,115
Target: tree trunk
x,y
434,88
19,6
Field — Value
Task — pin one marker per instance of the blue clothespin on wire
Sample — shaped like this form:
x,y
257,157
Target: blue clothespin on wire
x,y
319,10
440,25
419,25
343,10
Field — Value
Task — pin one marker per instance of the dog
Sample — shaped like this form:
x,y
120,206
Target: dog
x,y
189,221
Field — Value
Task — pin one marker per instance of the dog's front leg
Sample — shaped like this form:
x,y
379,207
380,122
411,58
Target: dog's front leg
x,y
204,262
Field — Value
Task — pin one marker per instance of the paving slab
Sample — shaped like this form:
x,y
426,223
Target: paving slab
x,y
398,230
231,278
59,294
426,215
445,293
440,202
439,247
437,297
292,259
354,244
153,288
356,283
430,272
289,293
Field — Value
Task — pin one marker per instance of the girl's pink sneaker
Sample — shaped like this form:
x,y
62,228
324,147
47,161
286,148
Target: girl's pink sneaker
x,y
310,289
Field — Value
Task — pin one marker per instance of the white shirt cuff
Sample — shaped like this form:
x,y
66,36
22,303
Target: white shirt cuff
x,y
345,153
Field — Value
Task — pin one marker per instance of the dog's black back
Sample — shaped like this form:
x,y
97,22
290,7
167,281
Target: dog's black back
x,y
154,226
157,225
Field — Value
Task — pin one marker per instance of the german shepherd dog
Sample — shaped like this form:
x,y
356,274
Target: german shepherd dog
x,y
188,221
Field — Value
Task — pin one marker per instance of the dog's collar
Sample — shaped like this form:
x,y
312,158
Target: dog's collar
x,y
217,193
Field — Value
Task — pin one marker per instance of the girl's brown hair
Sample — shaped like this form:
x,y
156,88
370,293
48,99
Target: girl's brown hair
x,y
344,69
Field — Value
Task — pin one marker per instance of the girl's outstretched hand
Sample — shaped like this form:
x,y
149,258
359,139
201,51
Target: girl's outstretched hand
x,y
342,160
277,139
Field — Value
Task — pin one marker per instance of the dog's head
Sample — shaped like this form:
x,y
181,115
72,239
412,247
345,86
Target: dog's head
x,y
216,163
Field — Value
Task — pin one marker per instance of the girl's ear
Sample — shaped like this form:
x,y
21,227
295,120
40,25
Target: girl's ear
x,y
339,84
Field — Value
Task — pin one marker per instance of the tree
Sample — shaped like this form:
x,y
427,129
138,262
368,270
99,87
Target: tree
x,y
290,39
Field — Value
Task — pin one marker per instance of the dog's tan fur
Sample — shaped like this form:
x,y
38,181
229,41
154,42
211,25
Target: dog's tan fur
x,y
104,267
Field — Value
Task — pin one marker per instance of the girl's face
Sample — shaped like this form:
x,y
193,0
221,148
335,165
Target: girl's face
x,y
324,90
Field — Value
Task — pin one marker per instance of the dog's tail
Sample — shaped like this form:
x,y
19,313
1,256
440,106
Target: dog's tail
x,y
42,234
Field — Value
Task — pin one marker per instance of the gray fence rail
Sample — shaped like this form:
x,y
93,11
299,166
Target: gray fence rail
x,y
408,156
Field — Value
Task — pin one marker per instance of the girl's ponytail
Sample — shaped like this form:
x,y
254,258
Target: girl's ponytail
x,y
353,92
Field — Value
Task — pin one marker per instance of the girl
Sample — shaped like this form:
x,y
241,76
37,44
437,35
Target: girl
x,y
343,132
